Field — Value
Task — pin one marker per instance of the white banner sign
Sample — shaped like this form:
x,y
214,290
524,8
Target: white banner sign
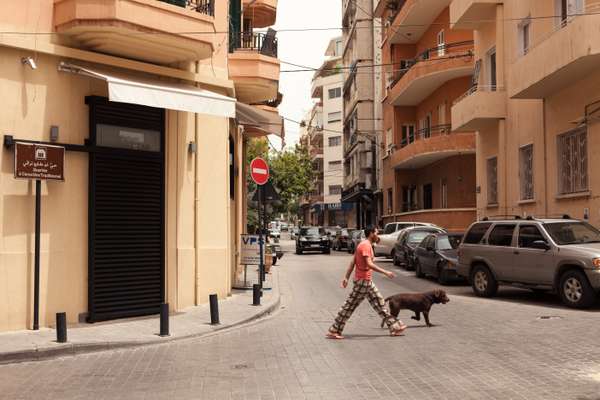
x,y
250,254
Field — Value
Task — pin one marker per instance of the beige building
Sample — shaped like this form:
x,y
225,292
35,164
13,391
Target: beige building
x,y
360,137
327,135
534,103
151,206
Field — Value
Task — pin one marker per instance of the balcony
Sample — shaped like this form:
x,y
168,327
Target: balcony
x,y
471,14
558,60
253,66
418,78
479,108
316,152
262,12
428,146
413,18
145,30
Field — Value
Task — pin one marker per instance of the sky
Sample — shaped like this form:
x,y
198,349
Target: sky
x,y
305,48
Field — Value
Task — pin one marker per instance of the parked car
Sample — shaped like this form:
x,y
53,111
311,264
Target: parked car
x,y
391,231
437,256
312,239
275,234
331,232
357,237
408,240
284,227
294,233
342,239
560,255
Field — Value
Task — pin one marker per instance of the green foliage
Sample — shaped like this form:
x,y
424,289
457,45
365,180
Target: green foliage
x,y
291,175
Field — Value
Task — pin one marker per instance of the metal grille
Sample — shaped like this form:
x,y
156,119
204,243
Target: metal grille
x,y
492,180
573,162
526,172
126,271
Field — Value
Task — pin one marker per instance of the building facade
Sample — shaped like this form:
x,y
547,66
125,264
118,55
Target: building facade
x,y
534,105
151,205
360,137
428,168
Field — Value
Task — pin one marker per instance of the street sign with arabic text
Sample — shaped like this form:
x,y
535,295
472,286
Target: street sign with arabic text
x,y
39,161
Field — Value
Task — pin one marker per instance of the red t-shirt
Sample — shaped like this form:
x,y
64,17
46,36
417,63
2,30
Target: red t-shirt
x,y
362,270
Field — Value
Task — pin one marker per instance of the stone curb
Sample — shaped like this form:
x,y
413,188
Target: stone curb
x,y
68,349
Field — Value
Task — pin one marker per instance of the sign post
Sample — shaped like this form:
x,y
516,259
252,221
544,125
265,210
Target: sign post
x,y
36,161
259,171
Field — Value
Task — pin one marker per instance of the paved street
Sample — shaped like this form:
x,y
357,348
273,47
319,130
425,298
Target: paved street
x,y
479,349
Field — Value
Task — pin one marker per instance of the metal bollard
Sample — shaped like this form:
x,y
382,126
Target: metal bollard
x,y
61,327
214,309
164,319
256,292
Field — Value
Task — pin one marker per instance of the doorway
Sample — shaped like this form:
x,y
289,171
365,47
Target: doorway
x,y
126,210
428,196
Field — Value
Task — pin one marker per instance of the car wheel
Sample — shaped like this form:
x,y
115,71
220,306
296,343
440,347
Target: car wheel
x,y
298,251
410,264
483,281
575,290
396,260
274,260
442,275
328,251
418,270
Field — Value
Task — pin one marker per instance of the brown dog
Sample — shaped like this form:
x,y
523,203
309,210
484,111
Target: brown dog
x,y
417,302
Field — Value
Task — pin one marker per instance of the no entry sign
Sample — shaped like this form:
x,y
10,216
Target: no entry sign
x,y
259,171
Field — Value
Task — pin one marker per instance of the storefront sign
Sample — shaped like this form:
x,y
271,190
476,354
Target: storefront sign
x,y
250,250
37,161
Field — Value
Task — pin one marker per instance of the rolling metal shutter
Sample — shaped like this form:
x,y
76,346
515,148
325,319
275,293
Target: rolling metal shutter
x,y
126,216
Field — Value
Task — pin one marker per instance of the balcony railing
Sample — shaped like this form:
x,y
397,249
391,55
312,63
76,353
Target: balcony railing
x,y
202,6
426,133
263,43
445,51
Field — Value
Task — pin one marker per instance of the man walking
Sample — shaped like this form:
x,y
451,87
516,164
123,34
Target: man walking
x,y
364,287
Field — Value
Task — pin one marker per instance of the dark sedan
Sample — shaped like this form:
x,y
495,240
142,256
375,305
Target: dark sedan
x,y
408,241
437,256
312,239
342,239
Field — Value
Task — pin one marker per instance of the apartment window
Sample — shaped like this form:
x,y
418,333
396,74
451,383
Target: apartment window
x,y
572,162
335,93
526,172
568,8
408,134
491,61
390,201
335,189
441,43
442,114
428,196
444,199
389,138
334,116
524,35
335,141
335,165
492,181
426,127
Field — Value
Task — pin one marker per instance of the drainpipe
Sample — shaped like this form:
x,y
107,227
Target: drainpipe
x,y
545,158
196,197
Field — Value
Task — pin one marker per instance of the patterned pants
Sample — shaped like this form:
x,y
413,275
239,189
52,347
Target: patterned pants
x,y
362,289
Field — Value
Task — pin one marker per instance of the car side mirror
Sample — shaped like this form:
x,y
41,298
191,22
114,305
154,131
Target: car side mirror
x,y
540,245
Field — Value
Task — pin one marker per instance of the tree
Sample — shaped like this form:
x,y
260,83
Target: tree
x,y
292,177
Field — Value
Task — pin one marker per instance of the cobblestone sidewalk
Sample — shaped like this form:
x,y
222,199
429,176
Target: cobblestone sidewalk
x,y
84,338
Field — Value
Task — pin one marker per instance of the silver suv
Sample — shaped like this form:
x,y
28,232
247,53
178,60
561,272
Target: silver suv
x,y
560,255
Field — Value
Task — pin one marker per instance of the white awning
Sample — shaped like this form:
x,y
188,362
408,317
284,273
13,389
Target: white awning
x,y
258,119
155,93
